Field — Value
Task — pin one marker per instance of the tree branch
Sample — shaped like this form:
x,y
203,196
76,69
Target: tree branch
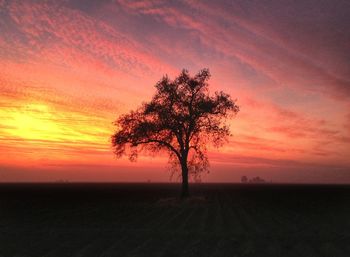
x,y
161,143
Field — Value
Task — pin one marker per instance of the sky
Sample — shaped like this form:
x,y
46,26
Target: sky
x,y
70,68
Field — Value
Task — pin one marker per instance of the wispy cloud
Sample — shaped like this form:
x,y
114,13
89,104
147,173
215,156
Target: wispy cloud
x,y
68,69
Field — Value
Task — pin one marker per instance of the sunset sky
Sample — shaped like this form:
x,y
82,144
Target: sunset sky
x,y
69,68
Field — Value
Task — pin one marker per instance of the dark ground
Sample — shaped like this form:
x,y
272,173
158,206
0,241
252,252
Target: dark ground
x,y
137,220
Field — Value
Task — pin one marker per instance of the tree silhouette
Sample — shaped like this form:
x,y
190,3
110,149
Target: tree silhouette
x,y
181,119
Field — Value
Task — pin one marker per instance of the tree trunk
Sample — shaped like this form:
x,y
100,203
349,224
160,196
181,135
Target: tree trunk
x,y
184,189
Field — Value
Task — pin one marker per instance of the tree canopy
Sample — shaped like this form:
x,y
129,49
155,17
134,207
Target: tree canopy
x,y
182,119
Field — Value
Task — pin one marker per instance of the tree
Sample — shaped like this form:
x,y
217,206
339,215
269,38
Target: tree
x,y
181,119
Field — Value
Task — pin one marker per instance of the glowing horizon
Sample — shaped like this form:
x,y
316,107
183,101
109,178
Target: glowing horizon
x,y
69,69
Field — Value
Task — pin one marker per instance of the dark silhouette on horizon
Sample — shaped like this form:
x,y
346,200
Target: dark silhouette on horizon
x,y
182,118
257,179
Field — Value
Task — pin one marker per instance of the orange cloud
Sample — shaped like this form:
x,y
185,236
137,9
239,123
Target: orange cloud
x,y
68,71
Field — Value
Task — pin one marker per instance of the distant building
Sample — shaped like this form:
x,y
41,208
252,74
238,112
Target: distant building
x,y
257,179
244,179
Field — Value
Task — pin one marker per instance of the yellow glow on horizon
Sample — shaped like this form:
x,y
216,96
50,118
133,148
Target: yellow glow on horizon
x,y
36,122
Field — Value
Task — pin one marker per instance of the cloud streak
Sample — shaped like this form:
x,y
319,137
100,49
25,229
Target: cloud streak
x,y
69,69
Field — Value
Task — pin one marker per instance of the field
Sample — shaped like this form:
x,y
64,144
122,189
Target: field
x,y
143,220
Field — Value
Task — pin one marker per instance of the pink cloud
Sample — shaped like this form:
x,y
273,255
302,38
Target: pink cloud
x,y
90,66
267,55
